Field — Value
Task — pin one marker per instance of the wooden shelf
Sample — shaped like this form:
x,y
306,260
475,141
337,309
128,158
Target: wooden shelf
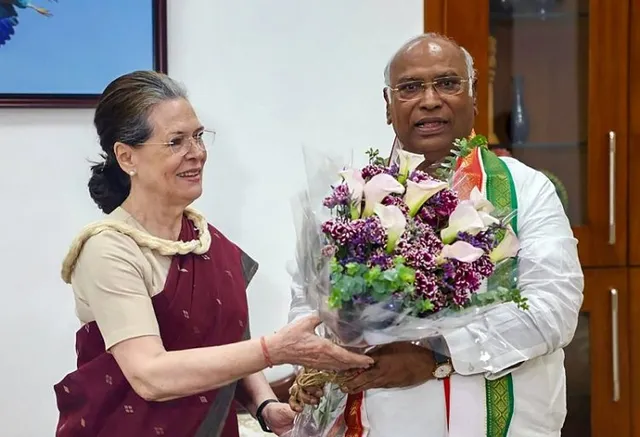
x,y
501,17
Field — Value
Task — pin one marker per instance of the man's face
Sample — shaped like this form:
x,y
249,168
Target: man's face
x,y
429,123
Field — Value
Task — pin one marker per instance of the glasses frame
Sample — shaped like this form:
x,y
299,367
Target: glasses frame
x,y
426,85
193,142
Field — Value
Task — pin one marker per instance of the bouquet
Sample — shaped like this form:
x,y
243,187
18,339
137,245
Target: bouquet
x,y
396,254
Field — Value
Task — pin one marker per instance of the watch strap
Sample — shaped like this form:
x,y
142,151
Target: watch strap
x,y
259,417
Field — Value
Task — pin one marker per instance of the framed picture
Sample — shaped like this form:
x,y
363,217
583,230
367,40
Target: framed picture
x,y
63,53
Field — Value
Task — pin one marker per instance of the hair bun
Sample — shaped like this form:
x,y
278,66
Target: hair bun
x,y
108,186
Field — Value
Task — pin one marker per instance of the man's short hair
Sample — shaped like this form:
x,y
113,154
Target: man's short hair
x,y
471,73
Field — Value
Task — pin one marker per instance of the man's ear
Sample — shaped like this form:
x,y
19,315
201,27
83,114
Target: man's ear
x,y
385,94
474,88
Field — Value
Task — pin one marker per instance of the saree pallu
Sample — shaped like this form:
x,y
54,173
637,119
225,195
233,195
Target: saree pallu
x,y
203,303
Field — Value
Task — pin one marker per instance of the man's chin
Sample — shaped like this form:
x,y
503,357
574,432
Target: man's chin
x,y
430,146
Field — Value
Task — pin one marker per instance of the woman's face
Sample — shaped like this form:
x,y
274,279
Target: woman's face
x,y
169,165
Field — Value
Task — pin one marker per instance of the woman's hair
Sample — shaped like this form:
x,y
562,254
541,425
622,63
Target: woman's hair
x,y
122,115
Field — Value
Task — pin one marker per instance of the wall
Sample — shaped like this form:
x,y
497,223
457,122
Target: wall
x,y
269,77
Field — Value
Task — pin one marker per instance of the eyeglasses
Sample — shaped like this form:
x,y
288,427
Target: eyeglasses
x,y
443,86
182,145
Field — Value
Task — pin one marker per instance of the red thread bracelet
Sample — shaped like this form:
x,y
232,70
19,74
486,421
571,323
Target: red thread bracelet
x,y
265,352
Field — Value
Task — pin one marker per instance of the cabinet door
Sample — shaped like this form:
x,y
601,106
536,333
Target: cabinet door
x,y
634,342
634,138
553,93
596,361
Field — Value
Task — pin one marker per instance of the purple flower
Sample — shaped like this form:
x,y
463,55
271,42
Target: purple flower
x,y
418,176
396,200
357,237
393,170
418,252
427,287
339,197
329,250
485,240
463,279
372,170
436,211
381,259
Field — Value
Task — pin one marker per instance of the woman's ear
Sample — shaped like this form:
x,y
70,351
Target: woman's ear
x,y
124,156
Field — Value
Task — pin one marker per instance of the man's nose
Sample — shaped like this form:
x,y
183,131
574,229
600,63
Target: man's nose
x,y
430,99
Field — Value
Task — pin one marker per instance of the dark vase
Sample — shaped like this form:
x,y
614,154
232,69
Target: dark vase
x,y
500,6
519,116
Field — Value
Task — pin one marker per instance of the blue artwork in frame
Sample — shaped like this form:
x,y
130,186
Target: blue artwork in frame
x,y
63,53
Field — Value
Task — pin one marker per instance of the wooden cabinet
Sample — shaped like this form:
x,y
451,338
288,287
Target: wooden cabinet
x,y
597,360
558,89
554,75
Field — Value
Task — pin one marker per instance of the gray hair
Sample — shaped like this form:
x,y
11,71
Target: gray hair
x,y
122,115
471,73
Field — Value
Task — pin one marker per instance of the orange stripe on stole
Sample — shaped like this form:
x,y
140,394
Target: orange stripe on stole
x,y
353,415
468,174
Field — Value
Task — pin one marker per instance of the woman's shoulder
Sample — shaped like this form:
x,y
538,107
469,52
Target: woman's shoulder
x,y
111,238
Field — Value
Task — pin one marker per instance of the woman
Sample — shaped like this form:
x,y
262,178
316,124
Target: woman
x,y
165,347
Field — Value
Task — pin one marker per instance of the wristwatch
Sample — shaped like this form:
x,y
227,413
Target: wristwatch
x,y
261,421
444,367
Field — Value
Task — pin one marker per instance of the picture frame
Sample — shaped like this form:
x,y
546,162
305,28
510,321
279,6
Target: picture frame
x,y
95,66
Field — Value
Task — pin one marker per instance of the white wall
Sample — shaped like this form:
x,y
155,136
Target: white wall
x,y
268,76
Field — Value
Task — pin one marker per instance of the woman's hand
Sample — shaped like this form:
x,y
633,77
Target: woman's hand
x,y
279,417
297,343
299,397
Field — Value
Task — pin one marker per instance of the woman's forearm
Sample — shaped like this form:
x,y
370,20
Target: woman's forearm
x,y
252,391
158,375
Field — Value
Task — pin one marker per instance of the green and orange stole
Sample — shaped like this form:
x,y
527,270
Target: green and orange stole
x,y
483,169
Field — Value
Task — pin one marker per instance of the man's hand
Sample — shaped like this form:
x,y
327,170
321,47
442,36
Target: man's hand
x,y
396,365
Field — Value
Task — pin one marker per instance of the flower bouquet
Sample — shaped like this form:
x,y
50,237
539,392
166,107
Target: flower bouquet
x,y
395,254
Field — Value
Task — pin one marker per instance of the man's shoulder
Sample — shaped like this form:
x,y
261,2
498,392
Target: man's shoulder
x,y
526,179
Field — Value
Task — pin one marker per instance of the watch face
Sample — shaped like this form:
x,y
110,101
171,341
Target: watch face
x,y
443,371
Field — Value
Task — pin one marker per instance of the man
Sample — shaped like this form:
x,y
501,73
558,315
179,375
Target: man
x,y
508,374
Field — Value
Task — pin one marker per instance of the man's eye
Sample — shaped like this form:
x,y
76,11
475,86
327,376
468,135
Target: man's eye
x,y
448,83
177,142
410,87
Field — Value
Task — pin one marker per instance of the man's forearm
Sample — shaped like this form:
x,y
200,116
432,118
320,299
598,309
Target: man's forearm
x,y
252,391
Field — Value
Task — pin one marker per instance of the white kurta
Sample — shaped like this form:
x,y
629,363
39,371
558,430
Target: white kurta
x,y
551,278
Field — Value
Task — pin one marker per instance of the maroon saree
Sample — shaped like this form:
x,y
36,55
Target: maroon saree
x,y
203,304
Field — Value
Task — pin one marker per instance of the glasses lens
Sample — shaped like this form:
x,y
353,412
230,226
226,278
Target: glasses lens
x,y
410,90
207,139
449,86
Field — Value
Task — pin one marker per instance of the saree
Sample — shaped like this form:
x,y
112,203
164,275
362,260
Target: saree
x,y
203,303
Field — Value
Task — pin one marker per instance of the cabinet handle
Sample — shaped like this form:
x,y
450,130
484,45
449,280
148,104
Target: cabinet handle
x,y
612,187
615,361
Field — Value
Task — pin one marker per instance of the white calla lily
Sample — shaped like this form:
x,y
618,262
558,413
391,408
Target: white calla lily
x,y
508,247
354,180
419,192
379,187
393,221
407,163
480,202
462,251
488,219
464,218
